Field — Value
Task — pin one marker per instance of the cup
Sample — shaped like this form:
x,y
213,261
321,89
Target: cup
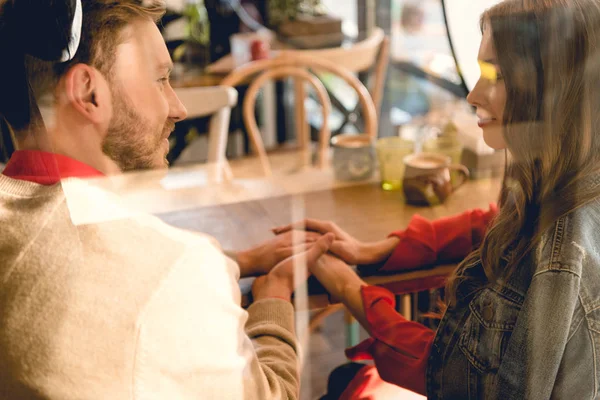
x,y
242,45
353,157
241,48
427,178
390,154
448,146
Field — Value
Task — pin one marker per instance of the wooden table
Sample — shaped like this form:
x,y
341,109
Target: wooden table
x,y
240,213
363,210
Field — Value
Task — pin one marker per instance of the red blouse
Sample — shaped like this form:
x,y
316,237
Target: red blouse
x,y
399,347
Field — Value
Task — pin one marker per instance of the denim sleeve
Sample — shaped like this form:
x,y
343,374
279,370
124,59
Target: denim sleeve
x,y
534,354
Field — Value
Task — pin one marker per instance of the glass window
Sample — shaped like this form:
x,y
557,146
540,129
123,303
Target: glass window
x,y
347,11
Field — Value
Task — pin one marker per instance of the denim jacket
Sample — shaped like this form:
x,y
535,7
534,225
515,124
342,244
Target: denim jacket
x,y
535,336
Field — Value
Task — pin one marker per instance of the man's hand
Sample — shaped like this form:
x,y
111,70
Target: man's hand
x,y
261,259
345,246
279,282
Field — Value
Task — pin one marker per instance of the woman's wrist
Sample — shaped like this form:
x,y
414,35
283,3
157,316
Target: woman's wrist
x,y
377,252
351,297
337,278
351,285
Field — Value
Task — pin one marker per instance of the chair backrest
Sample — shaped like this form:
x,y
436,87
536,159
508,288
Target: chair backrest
x,y
300,66
358,57
218,102
371,53
203,101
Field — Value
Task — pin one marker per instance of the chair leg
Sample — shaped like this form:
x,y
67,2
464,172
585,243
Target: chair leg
x,y
352,329
352,326
301,124
316,321
405,306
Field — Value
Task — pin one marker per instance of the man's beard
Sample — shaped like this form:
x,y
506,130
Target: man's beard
x,y
131,141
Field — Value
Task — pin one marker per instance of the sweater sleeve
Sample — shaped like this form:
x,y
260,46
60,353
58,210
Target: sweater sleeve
x,y
270,326
399,347
196,342
424,243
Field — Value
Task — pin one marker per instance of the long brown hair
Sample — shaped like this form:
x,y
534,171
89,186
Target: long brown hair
x,y
549,54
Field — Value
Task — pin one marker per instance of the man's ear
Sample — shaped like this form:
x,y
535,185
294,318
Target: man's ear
x,y
87,92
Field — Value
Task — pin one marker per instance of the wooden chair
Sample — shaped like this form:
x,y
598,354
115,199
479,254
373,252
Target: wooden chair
x,y
371,54
301,67
203,101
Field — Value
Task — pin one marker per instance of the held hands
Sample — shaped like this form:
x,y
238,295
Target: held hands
x,y
346,247
279,282
333,271
263,258
274,258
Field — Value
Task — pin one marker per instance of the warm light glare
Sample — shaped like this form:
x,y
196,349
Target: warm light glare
x,y
488,71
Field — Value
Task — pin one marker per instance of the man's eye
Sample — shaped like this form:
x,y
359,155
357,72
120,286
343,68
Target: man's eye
x,y
164,79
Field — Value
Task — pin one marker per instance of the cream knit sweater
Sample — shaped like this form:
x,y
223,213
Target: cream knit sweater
x,y
99,303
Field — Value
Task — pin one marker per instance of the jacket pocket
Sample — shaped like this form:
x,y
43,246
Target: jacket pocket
x,y
488,328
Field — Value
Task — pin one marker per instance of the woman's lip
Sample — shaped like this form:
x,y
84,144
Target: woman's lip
x,y
485,121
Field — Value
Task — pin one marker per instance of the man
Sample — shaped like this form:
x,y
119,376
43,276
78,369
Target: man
x,y
126,307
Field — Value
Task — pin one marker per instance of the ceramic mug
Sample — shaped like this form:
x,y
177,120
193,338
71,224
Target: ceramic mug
x,y
353,157
427,178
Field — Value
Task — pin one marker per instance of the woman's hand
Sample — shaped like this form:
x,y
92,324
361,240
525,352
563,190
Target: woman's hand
x,y
261,259
342,284
345,246
279,282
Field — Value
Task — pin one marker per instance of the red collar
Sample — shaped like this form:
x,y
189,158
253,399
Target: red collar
x,y
46,168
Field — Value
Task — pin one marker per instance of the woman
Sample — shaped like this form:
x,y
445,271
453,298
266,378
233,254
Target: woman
x,y
523,309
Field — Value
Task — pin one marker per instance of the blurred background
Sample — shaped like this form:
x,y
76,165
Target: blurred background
x,y
421,81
